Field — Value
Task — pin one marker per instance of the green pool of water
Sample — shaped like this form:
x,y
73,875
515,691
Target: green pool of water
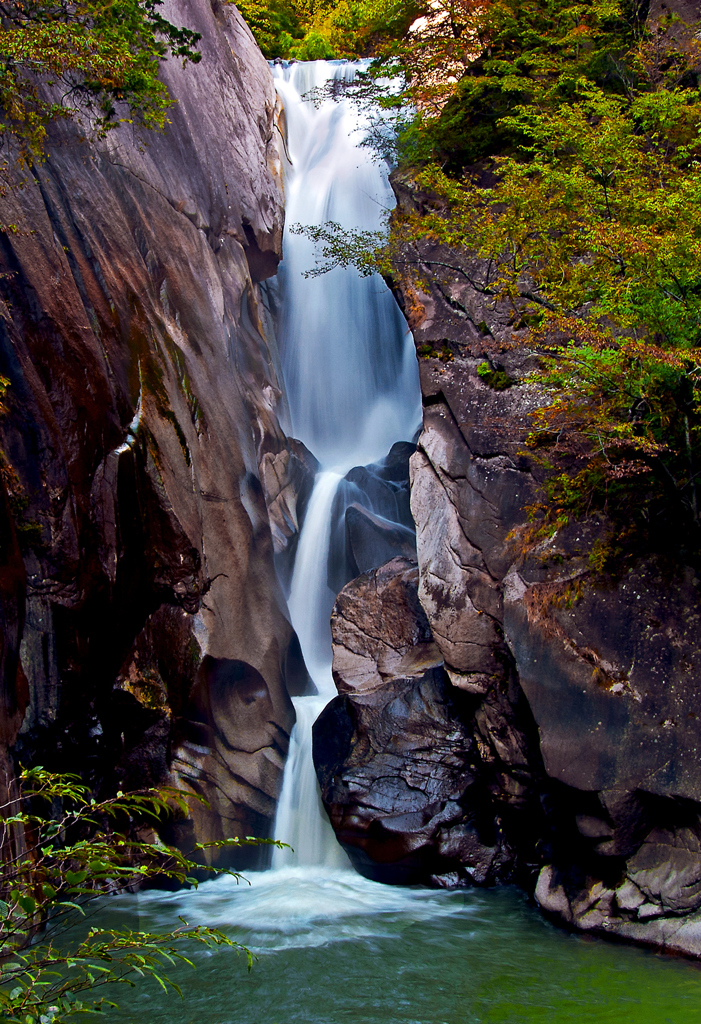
x,y
332,948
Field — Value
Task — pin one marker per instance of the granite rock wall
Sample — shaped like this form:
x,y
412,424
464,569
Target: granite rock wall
x,y
143,416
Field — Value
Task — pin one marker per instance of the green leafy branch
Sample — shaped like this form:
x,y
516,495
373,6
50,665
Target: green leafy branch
x,y
62,850
59,58
341,247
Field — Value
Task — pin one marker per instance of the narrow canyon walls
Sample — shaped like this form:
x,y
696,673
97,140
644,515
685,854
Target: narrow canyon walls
x,y
606,667
504,715
137,336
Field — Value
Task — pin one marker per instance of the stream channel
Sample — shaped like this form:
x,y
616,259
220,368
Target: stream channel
x,y
331,946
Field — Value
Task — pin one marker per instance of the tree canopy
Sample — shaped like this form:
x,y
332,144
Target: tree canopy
x,y
325,29
98,57
590,229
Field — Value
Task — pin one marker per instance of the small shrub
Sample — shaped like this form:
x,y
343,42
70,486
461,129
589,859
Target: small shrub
x,y
61,850
498,380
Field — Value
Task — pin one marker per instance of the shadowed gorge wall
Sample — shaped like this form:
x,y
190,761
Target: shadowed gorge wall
x,y
144,395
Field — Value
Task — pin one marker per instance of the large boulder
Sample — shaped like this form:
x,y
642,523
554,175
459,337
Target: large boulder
x,y
407,769
371,519
380,631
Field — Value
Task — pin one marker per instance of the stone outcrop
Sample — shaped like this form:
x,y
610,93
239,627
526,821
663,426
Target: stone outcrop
x,y
407,771
287,477
142,439
371,519
607,665
380,631
574,693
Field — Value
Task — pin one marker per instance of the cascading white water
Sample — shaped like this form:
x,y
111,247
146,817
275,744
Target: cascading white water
x,y
349,363
300,820
352,385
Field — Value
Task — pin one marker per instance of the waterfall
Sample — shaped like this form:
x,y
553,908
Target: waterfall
x,y
352,385
300,819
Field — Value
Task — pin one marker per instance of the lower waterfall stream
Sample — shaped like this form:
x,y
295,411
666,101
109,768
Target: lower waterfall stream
x,y
332,946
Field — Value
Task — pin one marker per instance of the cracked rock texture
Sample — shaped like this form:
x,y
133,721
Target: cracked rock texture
x,y
608,670
380,631
413,771
143,447
574,699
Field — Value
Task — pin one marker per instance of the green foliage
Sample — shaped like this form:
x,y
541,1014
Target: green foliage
x,y
59,856
357,28
625,422
431,351
338,247
62,57
277,25
499,380
321,29
591,231
601,208
516,54
554,158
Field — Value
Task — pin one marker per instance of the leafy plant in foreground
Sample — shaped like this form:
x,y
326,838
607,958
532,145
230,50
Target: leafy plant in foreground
x,y
62,850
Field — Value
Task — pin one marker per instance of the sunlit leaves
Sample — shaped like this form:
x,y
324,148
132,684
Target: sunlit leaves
x,y
337,247
601,208
62,57
512,53
323,29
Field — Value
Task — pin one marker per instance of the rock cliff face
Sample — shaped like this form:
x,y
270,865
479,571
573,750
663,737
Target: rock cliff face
x,y
502,715
144,399
568,703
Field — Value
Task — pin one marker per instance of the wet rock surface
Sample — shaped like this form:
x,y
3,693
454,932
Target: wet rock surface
x,y
380,631
412,770
575,695
606,668
395,770
14,692
371,517
142,440
287,477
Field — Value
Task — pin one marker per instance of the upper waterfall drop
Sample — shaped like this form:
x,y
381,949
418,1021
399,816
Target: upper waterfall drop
x,y
353,390
348,357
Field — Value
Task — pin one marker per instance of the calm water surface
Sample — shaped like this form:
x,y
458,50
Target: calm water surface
x,y
333,948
